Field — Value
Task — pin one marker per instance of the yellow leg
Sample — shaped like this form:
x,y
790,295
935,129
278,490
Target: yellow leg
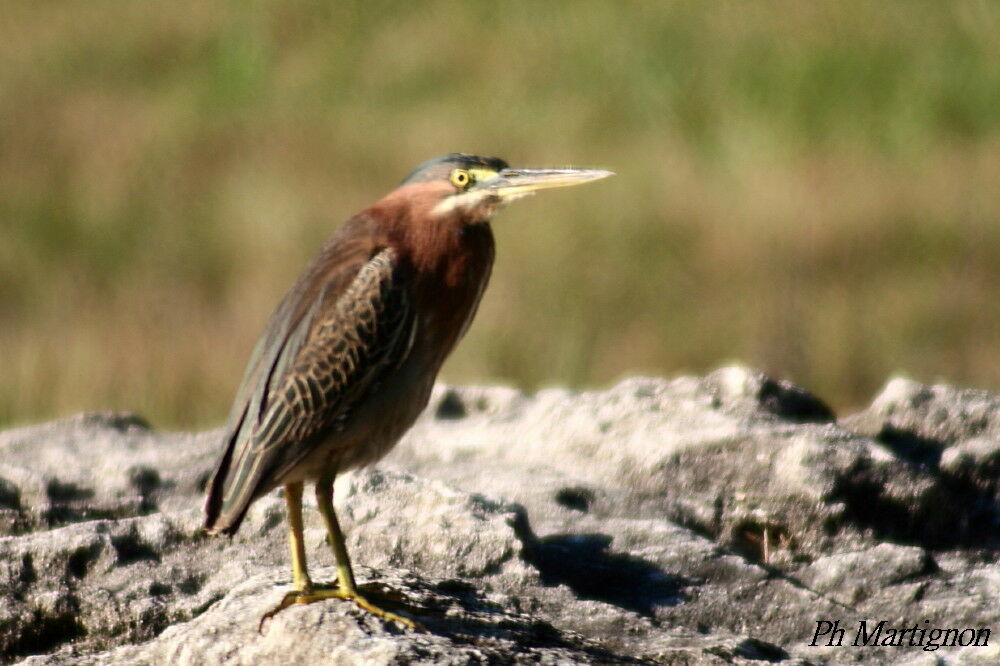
x,y
346,588
301,584
324,500
296,543
303,591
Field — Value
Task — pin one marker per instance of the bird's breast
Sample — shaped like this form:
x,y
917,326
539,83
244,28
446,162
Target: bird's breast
x,y
448,294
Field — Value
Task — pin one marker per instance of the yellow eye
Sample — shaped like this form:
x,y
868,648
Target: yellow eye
x,y
460,178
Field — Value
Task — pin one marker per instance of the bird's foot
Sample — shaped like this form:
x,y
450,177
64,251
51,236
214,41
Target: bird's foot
x,y
332,591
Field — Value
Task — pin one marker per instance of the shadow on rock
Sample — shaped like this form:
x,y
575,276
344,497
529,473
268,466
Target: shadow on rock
x,y
912,446
45,629
458,611
944,512
582,563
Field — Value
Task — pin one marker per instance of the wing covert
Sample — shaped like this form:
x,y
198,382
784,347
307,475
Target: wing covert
x,y
349,346
335,354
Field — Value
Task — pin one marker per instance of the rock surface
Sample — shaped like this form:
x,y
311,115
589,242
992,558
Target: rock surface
x,y
711,520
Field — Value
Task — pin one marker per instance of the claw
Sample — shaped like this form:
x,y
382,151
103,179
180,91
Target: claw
x,y
286,601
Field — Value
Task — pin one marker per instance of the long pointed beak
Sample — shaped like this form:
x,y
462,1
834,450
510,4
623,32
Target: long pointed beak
x,y
512,183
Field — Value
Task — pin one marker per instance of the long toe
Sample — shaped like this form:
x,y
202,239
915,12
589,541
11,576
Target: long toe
x,y
367,605
291,597
319,593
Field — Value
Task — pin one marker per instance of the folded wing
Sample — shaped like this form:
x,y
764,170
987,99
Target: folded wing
x,y
328,343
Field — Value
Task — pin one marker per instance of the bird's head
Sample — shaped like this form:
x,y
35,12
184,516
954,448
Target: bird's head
x,y
479,186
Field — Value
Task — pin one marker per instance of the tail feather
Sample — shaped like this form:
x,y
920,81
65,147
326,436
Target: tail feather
x,y
220,519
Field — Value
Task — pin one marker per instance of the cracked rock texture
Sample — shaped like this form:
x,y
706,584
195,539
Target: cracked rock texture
x,y
700,520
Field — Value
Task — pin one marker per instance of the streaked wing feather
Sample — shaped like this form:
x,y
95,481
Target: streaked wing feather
x,y
346,344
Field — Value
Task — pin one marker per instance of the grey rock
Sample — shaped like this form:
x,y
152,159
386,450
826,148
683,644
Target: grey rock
x,y
704,520
851,577
938,415
470,629
924,423
975,460
955,434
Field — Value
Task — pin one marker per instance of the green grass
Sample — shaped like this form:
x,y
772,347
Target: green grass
x,y
807,187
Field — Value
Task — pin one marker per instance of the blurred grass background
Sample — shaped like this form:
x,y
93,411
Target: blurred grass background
x,y
808,187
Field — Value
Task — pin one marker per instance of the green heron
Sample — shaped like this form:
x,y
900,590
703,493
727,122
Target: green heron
x,y
347,360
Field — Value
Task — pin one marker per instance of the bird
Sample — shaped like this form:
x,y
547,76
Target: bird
x,y
347,360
